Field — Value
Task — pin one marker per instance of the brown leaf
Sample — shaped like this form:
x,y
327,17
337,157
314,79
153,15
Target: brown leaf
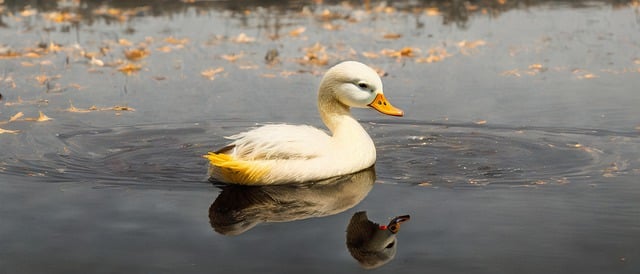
x,y
392,36
136,54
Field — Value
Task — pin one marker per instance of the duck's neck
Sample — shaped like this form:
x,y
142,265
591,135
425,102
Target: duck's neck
x,y
337,117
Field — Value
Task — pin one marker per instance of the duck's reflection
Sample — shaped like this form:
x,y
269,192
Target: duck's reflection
x,y
237,208
371,244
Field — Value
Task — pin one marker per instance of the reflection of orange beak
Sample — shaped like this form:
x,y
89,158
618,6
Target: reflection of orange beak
x,y
381,104
394,225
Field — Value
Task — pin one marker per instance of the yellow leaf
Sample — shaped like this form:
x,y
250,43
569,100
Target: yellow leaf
x,y
296,32
211,73
122,108
124,42
480,122
231,57
432,11
43,118
16,116
243,38
129,69
174,41
136,54
42,79
371,55
2,131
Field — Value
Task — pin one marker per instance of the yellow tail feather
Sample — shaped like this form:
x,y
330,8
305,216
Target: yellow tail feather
x,y
236,171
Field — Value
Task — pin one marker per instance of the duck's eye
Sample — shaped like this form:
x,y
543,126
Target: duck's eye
x,y
363,85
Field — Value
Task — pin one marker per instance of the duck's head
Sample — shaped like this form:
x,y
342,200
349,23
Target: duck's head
x,y
356,85
371,244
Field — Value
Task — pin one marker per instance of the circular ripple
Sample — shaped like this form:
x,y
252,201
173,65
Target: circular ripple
x,y
466,156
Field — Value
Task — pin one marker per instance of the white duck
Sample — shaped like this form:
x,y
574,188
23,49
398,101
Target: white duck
x,y
282,154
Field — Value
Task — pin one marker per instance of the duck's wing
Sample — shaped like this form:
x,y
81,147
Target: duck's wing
x,y
278,142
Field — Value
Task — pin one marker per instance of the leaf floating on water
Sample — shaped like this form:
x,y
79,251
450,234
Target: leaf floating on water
x,y
392,36
480,122
370,55
435,55
129,68
61,17
316,55
296,32
232,57
122,108
43,118
426,183
42,79
467,47
404,52
3,131
136,54
211,73
72,108
16,116
28,12
174,41
242,38
432,12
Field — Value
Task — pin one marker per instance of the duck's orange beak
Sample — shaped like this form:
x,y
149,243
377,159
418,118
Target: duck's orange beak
x,y
381,104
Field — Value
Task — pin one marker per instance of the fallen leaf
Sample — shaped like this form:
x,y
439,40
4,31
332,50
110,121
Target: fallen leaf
x,y
60,17
32,55
436,54
297,31
513,72
16,116
28,12
404,52
129,68
121,108
136,54
480,122
316,55
42,79
467,47
432,12
96,62
172,40
427,183
43,118
330,26
231,57
164,49
243,38
124,42
72,108
392,36
211,73
371,55
3,131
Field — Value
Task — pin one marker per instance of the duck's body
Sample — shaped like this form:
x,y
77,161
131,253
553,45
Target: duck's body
x,y
279,154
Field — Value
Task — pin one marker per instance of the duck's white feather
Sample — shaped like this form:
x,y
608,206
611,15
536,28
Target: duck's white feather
x,y
280,141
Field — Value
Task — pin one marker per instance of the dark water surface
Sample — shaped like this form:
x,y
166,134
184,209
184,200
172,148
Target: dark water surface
x,y
519,151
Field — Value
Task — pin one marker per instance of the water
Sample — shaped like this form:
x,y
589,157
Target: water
x,y
518,152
